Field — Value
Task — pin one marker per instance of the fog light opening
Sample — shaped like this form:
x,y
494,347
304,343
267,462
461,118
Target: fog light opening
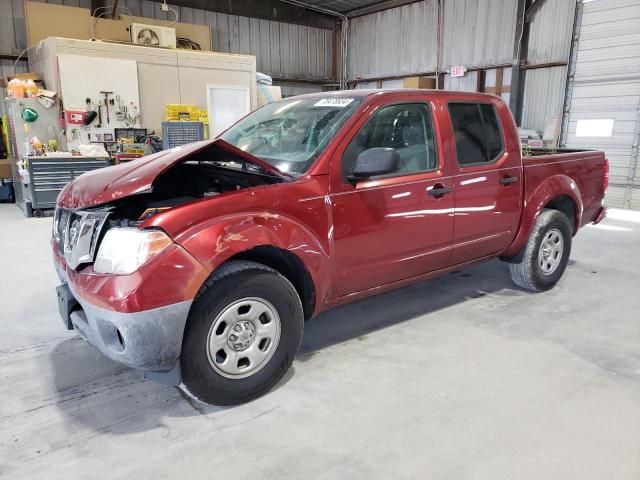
x,y
120,338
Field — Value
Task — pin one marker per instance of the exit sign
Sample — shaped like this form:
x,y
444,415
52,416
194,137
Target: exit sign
x,y
457,71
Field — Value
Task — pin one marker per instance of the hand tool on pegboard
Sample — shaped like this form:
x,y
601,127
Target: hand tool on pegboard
x,y
106,103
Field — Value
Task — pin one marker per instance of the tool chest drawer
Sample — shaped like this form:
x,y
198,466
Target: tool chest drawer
x,y
49,175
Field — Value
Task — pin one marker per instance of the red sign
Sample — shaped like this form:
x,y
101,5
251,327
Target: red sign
x,y
457,71
74,117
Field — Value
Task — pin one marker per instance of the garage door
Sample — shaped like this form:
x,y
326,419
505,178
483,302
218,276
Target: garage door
x,y
603,104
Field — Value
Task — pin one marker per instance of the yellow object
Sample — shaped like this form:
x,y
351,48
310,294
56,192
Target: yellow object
x,y
16,88
176,112
31,90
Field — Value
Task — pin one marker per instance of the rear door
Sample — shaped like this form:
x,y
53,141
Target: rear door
x,y
391,227
488,182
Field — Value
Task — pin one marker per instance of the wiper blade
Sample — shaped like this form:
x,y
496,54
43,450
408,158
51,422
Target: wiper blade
x,y
245,166
253,160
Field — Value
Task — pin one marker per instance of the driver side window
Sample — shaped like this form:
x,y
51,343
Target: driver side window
x,y
405,127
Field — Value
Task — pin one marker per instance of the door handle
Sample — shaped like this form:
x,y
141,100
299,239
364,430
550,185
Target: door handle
x,y
438,190
508,180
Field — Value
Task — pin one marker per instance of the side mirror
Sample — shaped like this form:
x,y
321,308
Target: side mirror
x,y
375,161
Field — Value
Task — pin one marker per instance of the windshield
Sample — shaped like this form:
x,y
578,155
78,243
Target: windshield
x,y
291,134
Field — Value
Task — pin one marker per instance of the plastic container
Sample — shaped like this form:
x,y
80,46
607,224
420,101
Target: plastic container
x,y
16,88
6,191
30,88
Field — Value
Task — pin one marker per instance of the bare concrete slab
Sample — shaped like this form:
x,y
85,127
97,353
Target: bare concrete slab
x,y
463,377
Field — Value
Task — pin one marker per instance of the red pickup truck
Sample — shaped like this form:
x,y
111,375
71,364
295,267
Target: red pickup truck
x,y
200,264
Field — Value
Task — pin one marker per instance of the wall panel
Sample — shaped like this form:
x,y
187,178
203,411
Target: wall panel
x,y
395,42
281,49
478,33
544,91
550,32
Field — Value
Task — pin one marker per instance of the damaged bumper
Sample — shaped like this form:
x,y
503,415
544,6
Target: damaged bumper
x,y
150,340
137,320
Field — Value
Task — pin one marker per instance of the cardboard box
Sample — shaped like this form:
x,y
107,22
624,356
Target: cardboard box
x,y
268,94
419,82
50,20
5,168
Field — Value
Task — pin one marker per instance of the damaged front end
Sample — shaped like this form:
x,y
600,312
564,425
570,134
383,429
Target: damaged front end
x,y
169,178
80,224
127,286
192,180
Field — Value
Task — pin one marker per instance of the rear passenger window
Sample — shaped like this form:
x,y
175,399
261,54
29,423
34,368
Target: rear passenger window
x,y
491,131
477,133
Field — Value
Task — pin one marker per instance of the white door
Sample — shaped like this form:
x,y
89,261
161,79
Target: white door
x,y
226,105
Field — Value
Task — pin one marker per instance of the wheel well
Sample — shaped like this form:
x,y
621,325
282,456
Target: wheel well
x,y
289,266
566,205
562,203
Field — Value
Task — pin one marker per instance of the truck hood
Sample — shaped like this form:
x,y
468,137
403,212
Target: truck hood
x,y
111,183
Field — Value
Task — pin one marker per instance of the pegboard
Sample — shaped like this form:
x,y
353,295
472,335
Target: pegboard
x,y
83,77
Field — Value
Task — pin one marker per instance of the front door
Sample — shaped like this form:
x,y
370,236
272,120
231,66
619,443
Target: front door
x,y
396,226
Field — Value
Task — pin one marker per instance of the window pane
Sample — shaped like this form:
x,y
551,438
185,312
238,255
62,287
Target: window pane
x,y
491,131
406,128
290,134
594,127
468,132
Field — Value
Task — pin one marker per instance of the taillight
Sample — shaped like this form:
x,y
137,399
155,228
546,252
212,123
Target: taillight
x,y
605,176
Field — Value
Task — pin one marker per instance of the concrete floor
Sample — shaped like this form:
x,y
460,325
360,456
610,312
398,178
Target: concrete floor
x,y
457,378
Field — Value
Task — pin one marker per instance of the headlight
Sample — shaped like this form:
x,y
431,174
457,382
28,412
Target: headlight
x,y
55,233
123,250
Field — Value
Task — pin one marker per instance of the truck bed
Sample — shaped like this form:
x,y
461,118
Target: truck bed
x,y
584,167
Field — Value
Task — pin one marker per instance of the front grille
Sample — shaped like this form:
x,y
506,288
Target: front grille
x,y
76,234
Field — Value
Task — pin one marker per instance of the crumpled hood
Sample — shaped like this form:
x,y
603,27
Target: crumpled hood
x,y
111,183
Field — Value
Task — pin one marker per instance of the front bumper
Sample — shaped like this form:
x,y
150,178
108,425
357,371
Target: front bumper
x,y
139,319
151,339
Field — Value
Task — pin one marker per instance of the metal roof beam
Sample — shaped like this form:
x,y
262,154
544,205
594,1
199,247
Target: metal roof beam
x,y
378,7
265,9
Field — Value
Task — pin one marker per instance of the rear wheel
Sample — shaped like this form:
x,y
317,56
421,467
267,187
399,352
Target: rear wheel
x,y
546,253
242,334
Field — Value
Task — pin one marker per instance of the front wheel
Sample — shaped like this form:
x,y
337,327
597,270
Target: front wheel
x,y
546,253
242,334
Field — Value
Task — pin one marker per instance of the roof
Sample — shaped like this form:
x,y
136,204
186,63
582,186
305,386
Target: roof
x,y
360,93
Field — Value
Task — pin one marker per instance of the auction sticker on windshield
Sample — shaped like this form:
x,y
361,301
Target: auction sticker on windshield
x,y
333,102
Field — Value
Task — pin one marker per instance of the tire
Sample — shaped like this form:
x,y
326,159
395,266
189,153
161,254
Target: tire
x,y
242,300
546,253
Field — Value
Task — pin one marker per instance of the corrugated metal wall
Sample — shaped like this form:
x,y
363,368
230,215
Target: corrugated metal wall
x,y
290,89
544,90
402,41
606,86
468,83
550,32
281,49
549,41
395,42
478,33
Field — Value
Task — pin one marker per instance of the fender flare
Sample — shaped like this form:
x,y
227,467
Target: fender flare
x,y
552,187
